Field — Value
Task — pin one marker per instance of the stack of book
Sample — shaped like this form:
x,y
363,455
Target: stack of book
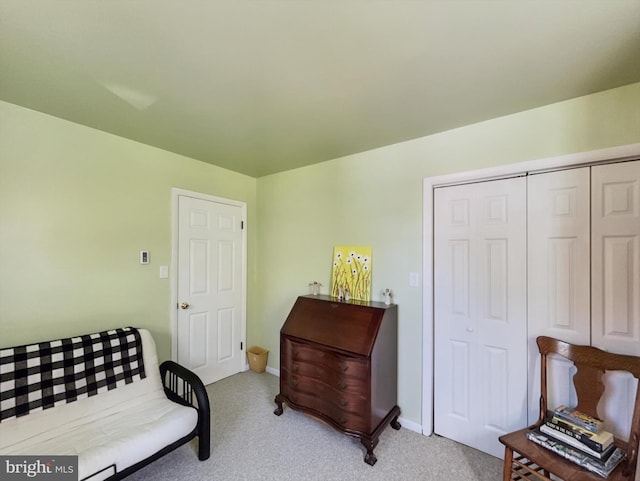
x,y
580,438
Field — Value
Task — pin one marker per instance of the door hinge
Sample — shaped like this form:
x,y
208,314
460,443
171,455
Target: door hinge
x,y
241,225
241,345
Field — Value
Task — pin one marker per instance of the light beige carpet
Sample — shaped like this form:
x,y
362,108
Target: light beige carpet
x,y
249,442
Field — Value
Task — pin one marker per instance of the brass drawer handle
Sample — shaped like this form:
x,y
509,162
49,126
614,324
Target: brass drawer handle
x,y
344,367
342,385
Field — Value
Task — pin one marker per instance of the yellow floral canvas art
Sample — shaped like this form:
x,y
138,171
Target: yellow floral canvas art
x,y
351,275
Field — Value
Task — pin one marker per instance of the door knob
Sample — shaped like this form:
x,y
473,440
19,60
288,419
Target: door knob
x,y
184,305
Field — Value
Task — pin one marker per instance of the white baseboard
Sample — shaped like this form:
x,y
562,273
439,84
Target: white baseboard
x,y
270,370
274,371
410,425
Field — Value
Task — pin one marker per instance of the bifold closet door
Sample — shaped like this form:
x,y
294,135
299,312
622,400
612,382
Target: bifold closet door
x,y
584,277
615,223
559,275
615,295
480,312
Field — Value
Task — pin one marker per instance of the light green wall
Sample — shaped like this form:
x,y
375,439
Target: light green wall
x,y
76,207
77,204
375,198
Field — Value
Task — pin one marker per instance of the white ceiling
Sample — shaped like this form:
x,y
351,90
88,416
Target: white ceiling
x,y
262,86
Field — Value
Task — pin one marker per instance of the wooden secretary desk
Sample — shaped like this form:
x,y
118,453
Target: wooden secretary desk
x,y
338,363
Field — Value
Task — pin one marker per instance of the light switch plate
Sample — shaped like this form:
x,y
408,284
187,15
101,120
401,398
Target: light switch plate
x,y
414,279
164,272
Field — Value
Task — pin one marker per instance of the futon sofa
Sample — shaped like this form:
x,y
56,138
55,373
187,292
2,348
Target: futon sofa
x,y
101,397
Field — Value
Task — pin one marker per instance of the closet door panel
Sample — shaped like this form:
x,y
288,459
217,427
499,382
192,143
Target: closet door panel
x,y
501,310
480,299
455,249
616,405
615,217
558,251
558,274
616,257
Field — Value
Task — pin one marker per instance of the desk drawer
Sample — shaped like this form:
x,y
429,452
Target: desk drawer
x,y
348,413
329,376
356,367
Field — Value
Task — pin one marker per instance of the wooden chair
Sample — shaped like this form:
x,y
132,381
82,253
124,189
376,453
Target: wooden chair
x,y
523,459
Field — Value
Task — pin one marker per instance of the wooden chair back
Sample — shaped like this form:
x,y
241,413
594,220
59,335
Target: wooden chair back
x,y
591,364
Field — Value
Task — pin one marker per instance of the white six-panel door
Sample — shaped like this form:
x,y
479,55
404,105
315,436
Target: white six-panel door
x,y
584,277
558,250
559,275
615,298
480,312
615,214
210,286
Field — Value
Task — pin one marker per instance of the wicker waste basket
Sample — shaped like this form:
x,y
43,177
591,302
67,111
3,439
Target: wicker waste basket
x,y
257,358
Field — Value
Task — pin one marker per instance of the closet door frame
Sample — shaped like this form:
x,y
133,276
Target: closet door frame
x,y
617,154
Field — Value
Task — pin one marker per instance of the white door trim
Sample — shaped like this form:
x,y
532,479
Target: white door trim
x,y
491,173
175,194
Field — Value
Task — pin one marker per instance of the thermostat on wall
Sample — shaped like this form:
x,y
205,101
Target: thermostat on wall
x,y
144,257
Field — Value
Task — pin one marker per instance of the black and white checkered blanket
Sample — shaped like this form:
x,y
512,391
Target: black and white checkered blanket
x,y
39,376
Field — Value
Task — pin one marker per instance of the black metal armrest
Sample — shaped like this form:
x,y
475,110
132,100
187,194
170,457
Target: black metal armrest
x,y
180,385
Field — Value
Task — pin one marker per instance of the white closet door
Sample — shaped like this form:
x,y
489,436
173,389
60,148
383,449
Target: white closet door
x,y
480,312
616,257
615,218
559,275
559,243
